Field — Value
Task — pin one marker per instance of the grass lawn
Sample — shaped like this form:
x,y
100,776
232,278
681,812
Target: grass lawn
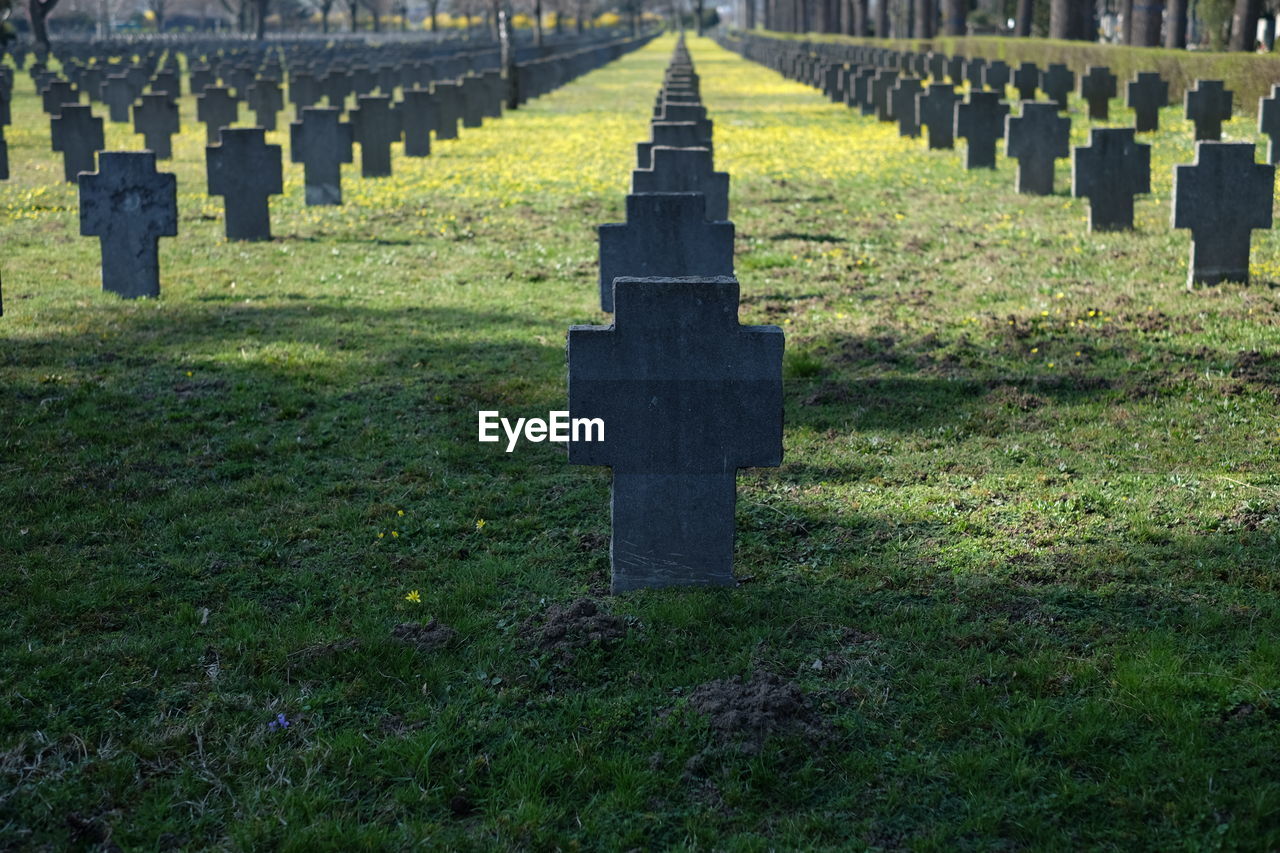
x,y
1020,559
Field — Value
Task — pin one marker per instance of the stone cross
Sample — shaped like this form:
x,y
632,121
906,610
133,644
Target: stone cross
x,y
881,85
245,171
1110,172
117,94
1145,95
321,142
129,206
217,109
973,69
903,99
936,107
1269,123
418,117
375,125
265,100
1208,105
1098,87
686,170
666,234
996,76
1026,79
671,134
201,78
862,94
57,93
78,135
955,70
155,116
687,396
1222,197
167,83
1035,139
4,156
980,122
1057,81
449,106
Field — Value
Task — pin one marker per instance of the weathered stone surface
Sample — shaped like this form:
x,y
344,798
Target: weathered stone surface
x,y
129,206
666,234
936,107
245,171
1098,87
670,134
1110,171
685,170
1208,105
77,133
1057,81
980,122
155,116
321,142
375,125
1145,95
1036,139
1222,197
217,109
265,100
903,100
687,397
419,116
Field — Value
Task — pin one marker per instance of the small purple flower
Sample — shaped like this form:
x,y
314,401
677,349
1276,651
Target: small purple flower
x,y
280,722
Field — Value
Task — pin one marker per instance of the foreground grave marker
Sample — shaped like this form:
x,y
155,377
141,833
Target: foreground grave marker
x,y
129,206
245,171
1222,197
1110,172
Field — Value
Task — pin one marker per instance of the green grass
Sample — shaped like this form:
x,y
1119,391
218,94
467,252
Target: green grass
x,y
1027,518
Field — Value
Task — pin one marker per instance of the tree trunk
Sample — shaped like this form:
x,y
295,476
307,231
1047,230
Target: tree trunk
x,y
1088,21
1244,24
1022,23
578,16
1062,18
953,15
537,23
261,6
859,18
1145,31
698,11
882,19
923,19
39,11
1126,25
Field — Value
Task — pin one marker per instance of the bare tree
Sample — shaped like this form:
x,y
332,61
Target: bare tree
x,y
1244,24
1145,29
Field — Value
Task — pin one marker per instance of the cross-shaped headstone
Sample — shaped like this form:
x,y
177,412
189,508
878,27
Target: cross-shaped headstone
x,y
217,109
1026,79
155,116
375,125
1145,95
58,93
1208,105
937,110
4,156
862,95
265,100
418,117
904,106
1035,139
996,76
1110,172
1098,87
973,68
201,78
881,86
1222,197
687,396
321,142
245,171
1057,81
955,70
671,134
117,94
666,234
167,83
77,133
980,122
449,106
129,206
686,170
1269,123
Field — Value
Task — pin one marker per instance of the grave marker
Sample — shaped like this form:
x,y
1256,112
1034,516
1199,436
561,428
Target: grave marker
x,y
1098,87
937,109
1057,81
1222,197
375,125
685,170
980,122
217,109
321,142
1036,139
1110,171
265,100
903,100
245,171
77,133
129,206
1208,105
1145,95
1269,123
155,116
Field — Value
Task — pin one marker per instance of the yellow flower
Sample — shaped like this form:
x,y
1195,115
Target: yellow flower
x,y
479,524
380,535
414,597
399,512
395,534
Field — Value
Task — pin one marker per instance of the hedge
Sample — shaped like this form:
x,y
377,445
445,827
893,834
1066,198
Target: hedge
x,y
1250,76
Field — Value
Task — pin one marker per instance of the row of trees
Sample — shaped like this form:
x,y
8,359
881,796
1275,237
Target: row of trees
x,y
1144,23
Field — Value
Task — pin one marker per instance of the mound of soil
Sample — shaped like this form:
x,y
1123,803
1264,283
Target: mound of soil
x,y
749,711
566,628
424,638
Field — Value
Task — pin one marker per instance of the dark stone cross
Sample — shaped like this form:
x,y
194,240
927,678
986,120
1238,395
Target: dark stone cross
x,y
449,109
245,171
955,70
1145,95
980,122
686,170
1098,87
996,76
1208,105
321,142
1026,79
671,134
4,156
1110,171
77,133
418,117
1269,123
881,85
201,78
375,125
155,116
687,396
1057,81
973,69
117,94
936,107
56,94
904,106
129,206
666,234
862,94
217,109
265,100
1036,139
1222,197
167,83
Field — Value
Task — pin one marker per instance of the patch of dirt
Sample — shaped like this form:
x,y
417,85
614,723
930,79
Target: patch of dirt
x,y
1254,366
745,713
563,629
1015,398
424,638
